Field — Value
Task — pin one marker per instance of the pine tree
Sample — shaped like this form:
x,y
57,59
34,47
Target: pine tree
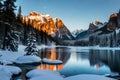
x,y
1,5
1,9
111,41
91,41
19,15
115,38
10,41
118,39
31,49
8,9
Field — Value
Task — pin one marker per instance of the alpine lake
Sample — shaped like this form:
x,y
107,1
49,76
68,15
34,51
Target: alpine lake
x,y
77,60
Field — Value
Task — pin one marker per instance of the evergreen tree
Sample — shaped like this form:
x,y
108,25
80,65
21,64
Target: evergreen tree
x,y
1,5
8,9
91,40
10,39
118,38
19,16
111,41
1,10
115,38
31,49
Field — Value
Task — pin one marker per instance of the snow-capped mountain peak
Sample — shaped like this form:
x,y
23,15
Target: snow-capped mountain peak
x,y
49,25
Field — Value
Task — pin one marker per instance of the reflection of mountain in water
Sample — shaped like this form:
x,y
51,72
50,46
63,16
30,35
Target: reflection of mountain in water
x,y
54,54
59,53
108,57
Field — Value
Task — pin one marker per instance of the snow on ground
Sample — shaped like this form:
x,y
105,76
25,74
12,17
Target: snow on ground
x,y
6,72
8,57
28,59
49,61
44,75
88,77
14,69
54,75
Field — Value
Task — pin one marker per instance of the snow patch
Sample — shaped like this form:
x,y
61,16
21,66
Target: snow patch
x,y
8,57
44,75
88,77
49,61
54,75
13,69
6,72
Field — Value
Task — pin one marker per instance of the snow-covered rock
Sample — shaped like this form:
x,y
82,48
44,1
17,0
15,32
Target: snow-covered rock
x,y
28,59
88,77
49,61
44,75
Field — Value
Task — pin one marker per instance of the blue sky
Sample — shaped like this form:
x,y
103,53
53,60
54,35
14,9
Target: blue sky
x,y
76,14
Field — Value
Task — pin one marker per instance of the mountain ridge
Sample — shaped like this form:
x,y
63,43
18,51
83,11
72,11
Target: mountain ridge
x,y
52,26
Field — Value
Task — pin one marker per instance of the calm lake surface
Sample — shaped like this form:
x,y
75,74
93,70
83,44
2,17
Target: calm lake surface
x,y
82,61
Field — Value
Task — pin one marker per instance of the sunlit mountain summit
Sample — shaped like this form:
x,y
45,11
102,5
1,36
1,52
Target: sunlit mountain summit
x,y
52,26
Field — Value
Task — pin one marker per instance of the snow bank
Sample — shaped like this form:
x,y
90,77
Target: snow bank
x,y
88,77
44,75
34,73
54,75
6,72
47,77
27,59
13,69
8,57
49,61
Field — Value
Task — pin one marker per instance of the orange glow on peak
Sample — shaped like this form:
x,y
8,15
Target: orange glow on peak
x,y
43,22
113,15
96,22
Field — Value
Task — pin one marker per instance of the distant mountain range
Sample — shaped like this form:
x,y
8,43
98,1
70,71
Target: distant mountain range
x,y
52,26
57,30
76,32
100,28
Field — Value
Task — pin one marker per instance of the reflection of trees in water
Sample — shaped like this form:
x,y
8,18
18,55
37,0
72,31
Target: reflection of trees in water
x,y
108,57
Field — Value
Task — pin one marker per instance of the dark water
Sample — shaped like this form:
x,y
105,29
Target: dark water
x,y
84,61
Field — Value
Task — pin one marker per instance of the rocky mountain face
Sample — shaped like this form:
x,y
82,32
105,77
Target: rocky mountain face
x,y
102,34
102,28
52,26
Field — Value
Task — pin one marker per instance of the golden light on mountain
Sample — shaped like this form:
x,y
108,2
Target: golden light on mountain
x,y
113,15
96,22
43,22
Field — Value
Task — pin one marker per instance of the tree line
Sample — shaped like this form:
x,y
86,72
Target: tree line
x,y
13,32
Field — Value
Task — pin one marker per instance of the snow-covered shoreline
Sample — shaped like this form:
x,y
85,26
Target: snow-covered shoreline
x,y
81,47
54,75
8,57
